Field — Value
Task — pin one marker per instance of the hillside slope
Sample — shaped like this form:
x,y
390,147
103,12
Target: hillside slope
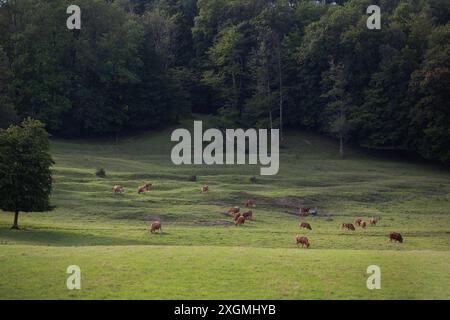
x,y
200,251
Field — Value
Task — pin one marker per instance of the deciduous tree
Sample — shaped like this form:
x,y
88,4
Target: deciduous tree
x,y
25,176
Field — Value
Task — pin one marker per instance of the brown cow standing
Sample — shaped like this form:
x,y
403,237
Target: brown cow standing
x,y
118,188
304,210
248,215
358,221
233,211
373,221
250,203
396,237
144,188
303,240
348,226
240,221
305,225
155,226
205,189
237,216
234,215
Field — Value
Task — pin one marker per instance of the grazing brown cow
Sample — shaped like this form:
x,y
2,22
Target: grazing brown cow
x,y
373,221
233,210
396,237
363,224
234,214
205,189
250,203
118,188
144,188
155,226
303,240
248,215
358,221
348,226
305,225
304,210
240,221
237,216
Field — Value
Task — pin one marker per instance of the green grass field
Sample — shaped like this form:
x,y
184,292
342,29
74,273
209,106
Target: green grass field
x,y
201,255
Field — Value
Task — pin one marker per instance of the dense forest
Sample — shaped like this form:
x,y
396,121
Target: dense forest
x,y
141,64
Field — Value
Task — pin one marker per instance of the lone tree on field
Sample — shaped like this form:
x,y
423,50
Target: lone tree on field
x,y
25,177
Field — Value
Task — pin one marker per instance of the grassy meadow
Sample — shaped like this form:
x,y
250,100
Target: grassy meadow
x,y
202,255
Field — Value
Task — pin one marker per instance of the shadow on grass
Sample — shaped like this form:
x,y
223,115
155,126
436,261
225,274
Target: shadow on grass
x,y
61,238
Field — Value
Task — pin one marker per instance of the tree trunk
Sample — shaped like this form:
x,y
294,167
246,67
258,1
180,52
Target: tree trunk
x,y
341,147
16,221
281,92
233,78
268,103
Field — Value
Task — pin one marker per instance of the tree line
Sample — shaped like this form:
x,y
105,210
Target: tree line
x,y
140,64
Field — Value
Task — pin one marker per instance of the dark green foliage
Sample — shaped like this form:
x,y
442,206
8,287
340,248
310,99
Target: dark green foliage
x,y
8,113
113,74
338,103
192,178
25,177
139,64
431,86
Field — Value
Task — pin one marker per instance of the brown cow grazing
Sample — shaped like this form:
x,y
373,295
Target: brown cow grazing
x,y
205,189
373,221
240,221
118,188
305,225
233,210
250,203
363,224
303,240
237,216
358,221
248,215
234,215
304,210
396,237
144,188
348,226
155,226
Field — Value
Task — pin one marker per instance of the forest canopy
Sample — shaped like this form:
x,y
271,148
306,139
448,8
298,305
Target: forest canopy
x,y
142,64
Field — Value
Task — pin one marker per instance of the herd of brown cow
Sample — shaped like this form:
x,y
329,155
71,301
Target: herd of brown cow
x,y
240,218
360,223
304,241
